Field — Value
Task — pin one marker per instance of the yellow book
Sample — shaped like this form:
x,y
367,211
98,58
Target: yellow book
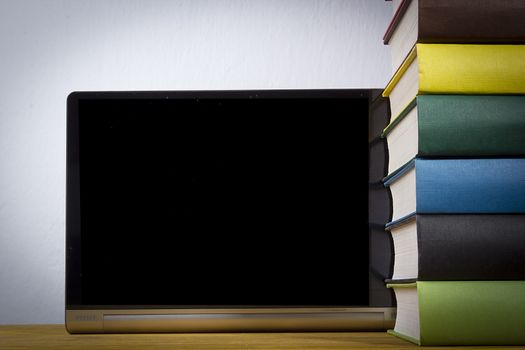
x,y
457,69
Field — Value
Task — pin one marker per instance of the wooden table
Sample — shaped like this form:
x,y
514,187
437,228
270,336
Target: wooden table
x,y
55,337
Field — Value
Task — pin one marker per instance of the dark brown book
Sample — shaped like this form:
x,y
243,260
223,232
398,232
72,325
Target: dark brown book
x,y
454,21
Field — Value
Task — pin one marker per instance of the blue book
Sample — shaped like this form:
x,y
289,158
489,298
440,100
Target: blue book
x,y
457,186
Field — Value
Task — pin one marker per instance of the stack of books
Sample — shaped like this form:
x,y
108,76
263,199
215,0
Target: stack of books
x,y
456,171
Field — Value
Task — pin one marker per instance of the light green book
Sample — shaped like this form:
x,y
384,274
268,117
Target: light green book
x,y
460,312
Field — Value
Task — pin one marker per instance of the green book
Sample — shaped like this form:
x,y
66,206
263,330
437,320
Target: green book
x,y
460,312
457,126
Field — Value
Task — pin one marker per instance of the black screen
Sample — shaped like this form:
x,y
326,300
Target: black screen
x,y
223,201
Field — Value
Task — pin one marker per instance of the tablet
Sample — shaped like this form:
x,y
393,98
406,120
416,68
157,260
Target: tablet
x,y
206,211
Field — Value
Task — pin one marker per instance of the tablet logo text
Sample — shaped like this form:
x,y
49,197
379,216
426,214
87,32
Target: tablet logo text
x,y
86,318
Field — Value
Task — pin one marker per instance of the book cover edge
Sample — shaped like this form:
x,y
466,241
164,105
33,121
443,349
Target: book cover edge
x,y
397,119
398,16
400,71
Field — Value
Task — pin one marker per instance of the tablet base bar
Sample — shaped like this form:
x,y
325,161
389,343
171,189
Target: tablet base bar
x,y
230,320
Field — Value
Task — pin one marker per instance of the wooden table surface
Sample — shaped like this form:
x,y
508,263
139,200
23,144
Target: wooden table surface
x,y
55,337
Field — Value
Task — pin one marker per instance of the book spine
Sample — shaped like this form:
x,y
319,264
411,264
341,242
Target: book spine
x,y
471,125
471,247
470,186
471,69
472,312
471,21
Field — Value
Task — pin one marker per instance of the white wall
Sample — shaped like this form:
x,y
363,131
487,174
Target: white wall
x,y
50,48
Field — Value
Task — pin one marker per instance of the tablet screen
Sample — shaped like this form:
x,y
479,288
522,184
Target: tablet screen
x,y
223,201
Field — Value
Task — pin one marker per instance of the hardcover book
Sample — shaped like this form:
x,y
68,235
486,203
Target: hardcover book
x,y
433,247
453,21
458,186
460,312
457,69
457,126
